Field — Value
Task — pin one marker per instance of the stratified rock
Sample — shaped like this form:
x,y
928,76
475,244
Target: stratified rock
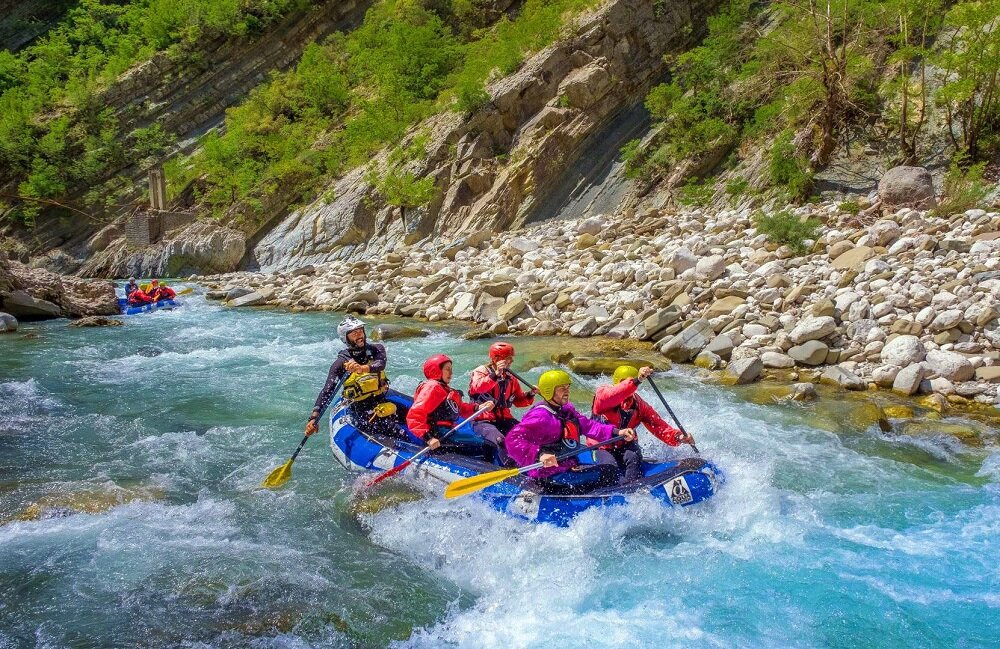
x,y
744,370
397,332
686,345
96,321
907,187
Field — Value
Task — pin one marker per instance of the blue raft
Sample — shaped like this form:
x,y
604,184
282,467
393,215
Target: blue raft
x,y
682,482
145,308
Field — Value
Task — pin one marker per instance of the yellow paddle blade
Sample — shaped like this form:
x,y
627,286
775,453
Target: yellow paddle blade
x,y
185,291
467,486
385,409
279,476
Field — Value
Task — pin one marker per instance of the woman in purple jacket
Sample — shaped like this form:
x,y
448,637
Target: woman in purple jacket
x,y
553,427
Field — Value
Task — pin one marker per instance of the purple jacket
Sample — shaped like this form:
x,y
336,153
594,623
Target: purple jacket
x,y
540,427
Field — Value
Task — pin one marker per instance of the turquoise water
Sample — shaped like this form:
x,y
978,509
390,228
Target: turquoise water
x,y
135,455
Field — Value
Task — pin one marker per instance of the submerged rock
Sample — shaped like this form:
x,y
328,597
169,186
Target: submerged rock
x,y
97,321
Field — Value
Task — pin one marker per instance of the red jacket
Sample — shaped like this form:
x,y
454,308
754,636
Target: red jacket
x,y
138,296
162,293
615,402
485,386
434,405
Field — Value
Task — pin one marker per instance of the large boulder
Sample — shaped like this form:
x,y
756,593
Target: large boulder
x,y
397,332
8,323
908,379
813,329
594,366
38,294
812,352
907,187
950,365
691,340
903,351
744,370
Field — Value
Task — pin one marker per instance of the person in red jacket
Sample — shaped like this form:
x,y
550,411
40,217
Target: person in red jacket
x,y
138,297
619,405
164,292
492,382
437,408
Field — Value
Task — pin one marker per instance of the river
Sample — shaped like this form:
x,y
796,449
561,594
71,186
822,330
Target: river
x,y
131,514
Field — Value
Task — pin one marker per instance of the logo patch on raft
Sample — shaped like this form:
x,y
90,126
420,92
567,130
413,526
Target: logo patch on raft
x,y
679,492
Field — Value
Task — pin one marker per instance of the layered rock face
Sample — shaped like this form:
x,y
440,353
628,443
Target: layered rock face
x,y
37,294
494,168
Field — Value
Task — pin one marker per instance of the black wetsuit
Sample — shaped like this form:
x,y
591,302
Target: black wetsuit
x,y
372,355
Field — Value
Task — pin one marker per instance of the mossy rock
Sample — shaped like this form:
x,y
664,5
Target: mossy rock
x,y
898,412
765,394
397,332
594,366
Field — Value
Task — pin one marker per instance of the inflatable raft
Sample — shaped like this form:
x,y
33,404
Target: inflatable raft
x,y
155,306
680,482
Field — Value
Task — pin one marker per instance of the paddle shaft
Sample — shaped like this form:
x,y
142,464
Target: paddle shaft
x,y
568,454
520,378
396,469
306,438
670,410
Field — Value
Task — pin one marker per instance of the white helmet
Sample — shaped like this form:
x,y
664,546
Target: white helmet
x,y
349,324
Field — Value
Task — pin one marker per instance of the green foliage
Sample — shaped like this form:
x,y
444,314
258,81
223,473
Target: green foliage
x,y
970,56
54,136
849,207
963,189
737,187
355,93
787,169
787,229
634,157
695,194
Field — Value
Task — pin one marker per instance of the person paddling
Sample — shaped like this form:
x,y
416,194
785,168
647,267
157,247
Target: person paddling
x,y
555,426
160,292
619,405
361,367
492,382
437,407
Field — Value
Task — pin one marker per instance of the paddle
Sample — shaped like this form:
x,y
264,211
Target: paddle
x,y
185,291
672,415
283,473
397,469
476,483
521,379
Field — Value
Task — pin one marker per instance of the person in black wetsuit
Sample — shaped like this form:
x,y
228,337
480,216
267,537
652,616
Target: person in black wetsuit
x,y
361,366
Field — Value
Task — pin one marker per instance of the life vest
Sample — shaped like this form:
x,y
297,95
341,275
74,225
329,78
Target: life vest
x,y
358,387
627,417
570,433
502,395
447,412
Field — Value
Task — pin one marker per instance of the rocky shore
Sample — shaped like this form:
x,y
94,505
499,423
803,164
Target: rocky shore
x,y
28,293
908,302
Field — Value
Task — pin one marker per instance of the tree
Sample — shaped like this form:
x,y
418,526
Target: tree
x,y
969,54
403,189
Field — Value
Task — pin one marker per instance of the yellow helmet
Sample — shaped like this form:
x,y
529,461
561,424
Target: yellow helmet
x,y
624,372
549,381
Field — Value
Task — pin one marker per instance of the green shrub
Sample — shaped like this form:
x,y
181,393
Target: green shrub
x,y
789,170
695,194
963,189
736,187
787,229
849,207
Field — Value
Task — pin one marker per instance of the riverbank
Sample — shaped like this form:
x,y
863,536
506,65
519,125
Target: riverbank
x,y
908,302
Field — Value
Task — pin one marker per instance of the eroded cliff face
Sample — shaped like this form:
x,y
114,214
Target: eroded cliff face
x,y
494,169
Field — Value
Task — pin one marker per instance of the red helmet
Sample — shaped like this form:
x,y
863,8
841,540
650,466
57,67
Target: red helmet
x,y
432,366
501,350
